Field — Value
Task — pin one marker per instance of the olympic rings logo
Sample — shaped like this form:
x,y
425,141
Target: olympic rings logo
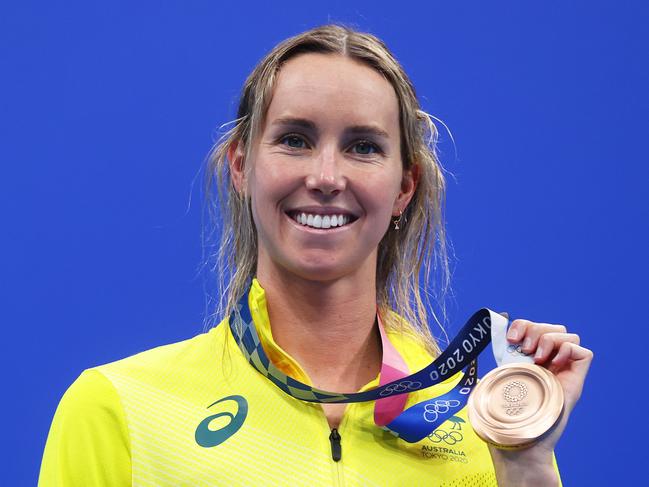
x,y
514,411
516,349
440,406
404,385
448,437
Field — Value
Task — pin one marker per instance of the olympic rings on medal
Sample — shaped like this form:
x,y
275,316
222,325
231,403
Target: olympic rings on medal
x,y
448,437
404,385
439,406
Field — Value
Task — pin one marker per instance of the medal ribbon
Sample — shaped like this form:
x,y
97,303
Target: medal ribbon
x,y
419,420
505,352
393,368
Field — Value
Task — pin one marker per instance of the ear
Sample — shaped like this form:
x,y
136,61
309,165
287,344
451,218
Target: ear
x,y
237,167
409,183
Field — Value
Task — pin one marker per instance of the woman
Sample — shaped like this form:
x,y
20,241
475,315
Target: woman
x,y
334,199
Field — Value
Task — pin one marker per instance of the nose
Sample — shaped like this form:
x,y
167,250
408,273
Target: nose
x,y
325,175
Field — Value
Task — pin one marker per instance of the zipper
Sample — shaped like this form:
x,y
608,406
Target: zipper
x,y
336,447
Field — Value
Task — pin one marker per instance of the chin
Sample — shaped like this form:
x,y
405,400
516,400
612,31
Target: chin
x,y
319,273
321,268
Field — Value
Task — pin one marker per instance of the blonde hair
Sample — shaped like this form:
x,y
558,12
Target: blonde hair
x,y
403,253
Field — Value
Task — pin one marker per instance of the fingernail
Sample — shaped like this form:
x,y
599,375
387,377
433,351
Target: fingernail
x,y
527,344
512,334
539,352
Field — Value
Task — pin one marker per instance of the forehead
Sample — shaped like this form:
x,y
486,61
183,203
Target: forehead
x,y
334,90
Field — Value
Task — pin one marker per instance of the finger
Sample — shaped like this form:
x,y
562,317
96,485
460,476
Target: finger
x,y
571,365
550,343
517,330
578,357
529,332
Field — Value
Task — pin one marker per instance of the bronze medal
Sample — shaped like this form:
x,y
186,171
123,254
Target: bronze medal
x,y
515,405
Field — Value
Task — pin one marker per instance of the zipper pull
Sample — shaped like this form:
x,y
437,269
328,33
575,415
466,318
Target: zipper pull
x,y
336,448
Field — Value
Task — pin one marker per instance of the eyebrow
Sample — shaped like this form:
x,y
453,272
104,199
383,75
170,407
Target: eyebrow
x,y
354,129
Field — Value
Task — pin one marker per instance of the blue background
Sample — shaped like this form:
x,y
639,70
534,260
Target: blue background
x,y
109,108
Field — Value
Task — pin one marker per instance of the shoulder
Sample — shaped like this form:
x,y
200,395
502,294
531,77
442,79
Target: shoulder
x,y
88,437
168,376
90,402
92,433
104,392
96,393
178,356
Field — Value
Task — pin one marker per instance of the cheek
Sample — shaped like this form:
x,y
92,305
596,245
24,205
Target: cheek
x,y
379,195
267,189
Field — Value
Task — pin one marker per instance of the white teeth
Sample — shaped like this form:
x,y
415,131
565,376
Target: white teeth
x,y
320,221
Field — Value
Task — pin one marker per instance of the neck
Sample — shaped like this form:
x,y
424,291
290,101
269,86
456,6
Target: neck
x,y
328,327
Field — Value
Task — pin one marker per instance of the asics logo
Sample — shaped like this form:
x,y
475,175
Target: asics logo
x,y
207,437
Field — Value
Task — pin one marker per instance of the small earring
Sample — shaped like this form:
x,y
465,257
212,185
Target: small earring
x,y
396,221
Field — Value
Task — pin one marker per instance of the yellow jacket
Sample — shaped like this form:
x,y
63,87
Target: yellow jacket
x,y
154,419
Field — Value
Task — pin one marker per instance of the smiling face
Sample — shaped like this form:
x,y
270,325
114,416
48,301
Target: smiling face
x,y
325,175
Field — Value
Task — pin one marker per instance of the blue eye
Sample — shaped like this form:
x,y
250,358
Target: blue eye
x,y
291,139
365,145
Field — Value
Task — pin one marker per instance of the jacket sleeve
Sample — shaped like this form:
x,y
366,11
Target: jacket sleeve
x,y
556,469
88,442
